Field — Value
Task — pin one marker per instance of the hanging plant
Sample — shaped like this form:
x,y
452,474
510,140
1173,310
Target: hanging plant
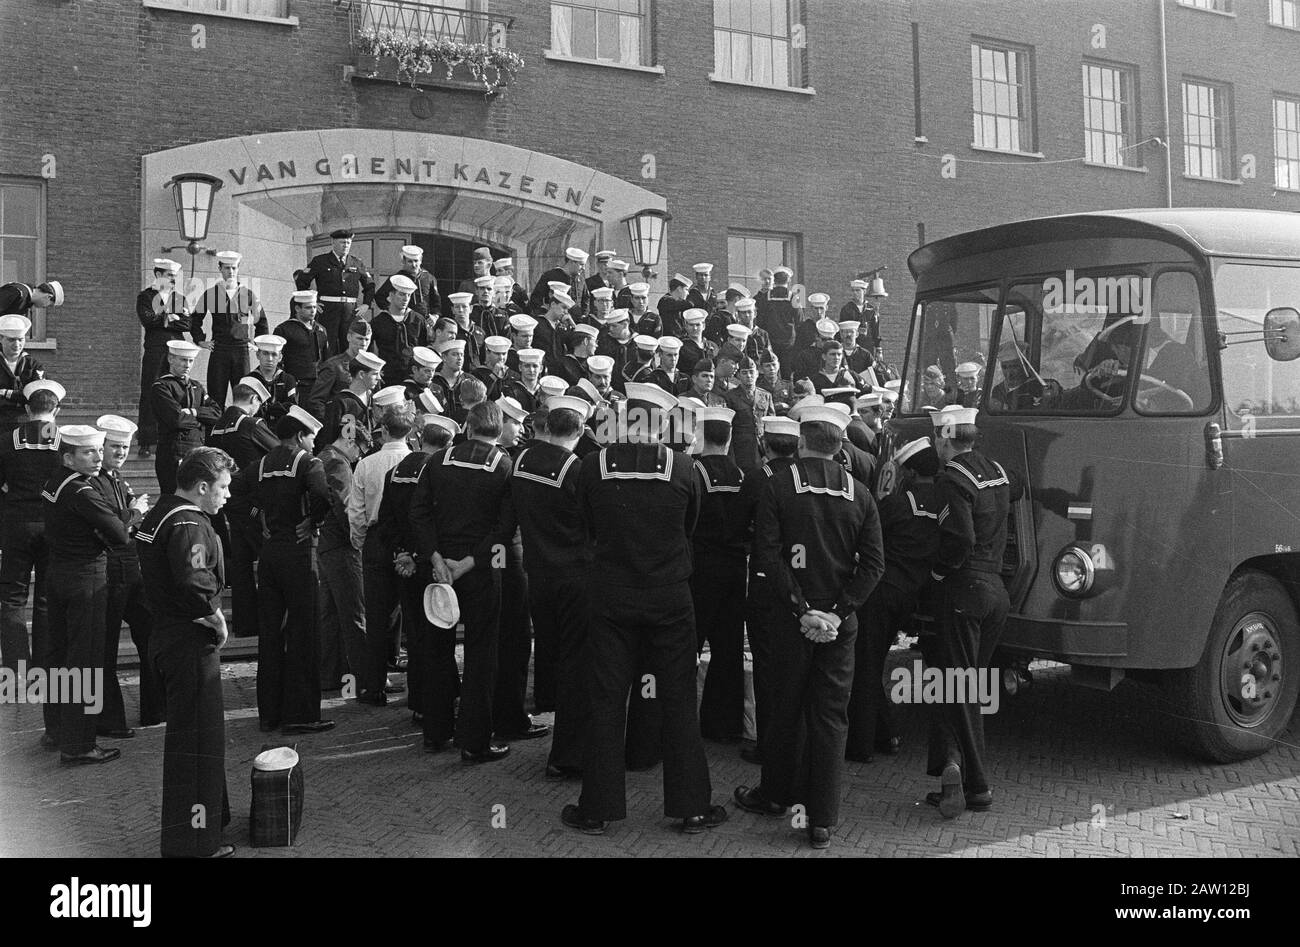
x,y
418,56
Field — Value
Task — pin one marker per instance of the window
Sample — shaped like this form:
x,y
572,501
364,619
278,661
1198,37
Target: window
x,y
1175,377
272,9
748,253
457,21
611,31
1286,143
22,239
752,42
1206,130
1218,6
1254,385
951,329
1283,13
1002,102
1108,121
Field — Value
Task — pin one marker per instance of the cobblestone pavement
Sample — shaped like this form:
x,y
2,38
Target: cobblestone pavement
x,y
1076,773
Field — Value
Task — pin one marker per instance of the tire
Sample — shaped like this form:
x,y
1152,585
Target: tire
x,y
1226,715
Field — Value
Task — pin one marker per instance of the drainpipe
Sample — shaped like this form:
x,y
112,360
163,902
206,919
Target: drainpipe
x,y
1164,103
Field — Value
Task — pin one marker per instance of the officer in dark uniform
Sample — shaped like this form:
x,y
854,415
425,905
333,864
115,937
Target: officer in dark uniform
x,y
79,527
237,318
751,404
126,596
29,456
164,312
718,582
247,438
640,502
17,370
20,299
974,499
397,331
183,411
280,385
456,514
180,561
340,278
573,273
481,261
817,534
672,304
334,373
909,523
780,445
288,489
424,298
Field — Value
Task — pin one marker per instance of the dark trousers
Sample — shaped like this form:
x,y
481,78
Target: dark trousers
x,y
871,714
645,718
562,613
243,540
185,657
546,658
152,364
479,592
664,619
78,601
226,365
971,613
718,590
22,550
515,650
288,660
126,603
336,317
760,607
343,645
434,685
419,639
803,750
379,580
167,460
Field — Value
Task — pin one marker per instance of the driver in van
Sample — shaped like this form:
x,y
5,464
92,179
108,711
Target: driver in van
x,y
1021,388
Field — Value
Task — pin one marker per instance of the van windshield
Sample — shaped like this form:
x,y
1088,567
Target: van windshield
x,y
1258,392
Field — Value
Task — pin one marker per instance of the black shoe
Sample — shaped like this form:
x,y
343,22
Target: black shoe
x,y
534,731
394,688
819,836
48,742
952,798
316,726
751,800
721,738
750,754
694,825
96,755
975,801
436,746
151,723
855,757
571,816
373,698
641,766
562,772
891,747
490,755
123,734
225,851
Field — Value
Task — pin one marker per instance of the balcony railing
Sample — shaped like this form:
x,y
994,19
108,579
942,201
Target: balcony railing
x,y
430,44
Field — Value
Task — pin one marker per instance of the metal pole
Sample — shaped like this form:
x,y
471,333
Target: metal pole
x,y
1164,103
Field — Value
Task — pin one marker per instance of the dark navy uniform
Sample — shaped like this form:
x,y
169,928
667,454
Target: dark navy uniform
x,y
15,298
648,323
246,439
528,400
640,503
425,300
305,347
29,456
494,383
775,313
156,313
348,408
974,494
126,602
909,523
843,379
13,405
179,432
456,511
578,291
286,487
394,341
718,588
750,410
342,595
697,299
334,378
183,572
675,384
79,528
670,314
869,326
817,536
236,320
623,354
283,389
338,284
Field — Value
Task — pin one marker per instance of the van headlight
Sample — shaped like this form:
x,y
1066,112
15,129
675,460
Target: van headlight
x,y
1073,572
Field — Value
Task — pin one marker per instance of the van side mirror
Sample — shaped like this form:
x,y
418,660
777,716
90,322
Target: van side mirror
x,y
1282,334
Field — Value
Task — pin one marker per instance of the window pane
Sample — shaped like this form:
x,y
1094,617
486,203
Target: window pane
x,y
584,33
740,14
607,35
781,17
740,58
761,18
21,210
17,260
762,59
780,63
722,14
722,53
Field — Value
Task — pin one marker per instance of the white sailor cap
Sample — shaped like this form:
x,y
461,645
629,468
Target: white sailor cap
x,y
181,347
953,414
229,257
511,408
531,356
563,298
970,369
413,253
429,402
703,268
306,420
503,282
578,256
570,403
600,364
848,325
620,265
638,289
818,299
15,326
738,331
887,395
44,384
552,385
715,414
486,281
869,400
444,422
56,288
387,397
830,394
463,299
497,343
522,322
371,361
911,448
602,292
690,406
670,343
81,435
773,424
895,385
604,255
117,430
403,284
646,343
617,315
269,343
584,328
680,280
589,391
451,345
860,284
252,381
171,266
422,355
503,263
652,394
834,415
306,297
827,328
694,316
558,286
745,304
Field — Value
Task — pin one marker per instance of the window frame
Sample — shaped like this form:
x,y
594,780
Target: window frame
x,y
1221,96
645,53
797,57
909,402
1026,98
1208,315
1292,158
1219,7
37,338
1130,97
1282,6
183,6
791,246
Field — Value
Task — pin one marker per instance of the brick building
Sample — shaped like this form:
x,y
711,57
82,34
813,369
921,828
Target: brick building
x,y
830,135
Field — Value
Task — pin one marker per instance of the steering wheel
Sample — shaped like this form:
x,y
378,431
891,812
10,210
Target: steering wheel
x,y
1143,398
1089,381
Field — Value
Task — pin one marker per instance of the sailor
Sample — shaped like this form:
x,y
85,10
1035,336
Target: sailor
x,y
164,312
701,294
494,372
349,412
397,331
602,304
775,313
968,391
618,281
644,350
617,344
307,342
665,373
237,318
518,295
672,304
449,372
522,327
601,278
573,274
527,389
600,372
21,299
551,327
856,358
183,411
18,369
641,318
424,298
694,346
334,374
281,387
424,362
859,310
341,279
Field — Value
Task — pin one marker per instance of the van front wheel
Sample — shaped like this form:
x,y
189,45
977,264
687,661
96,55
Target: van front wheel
x,y
1241,695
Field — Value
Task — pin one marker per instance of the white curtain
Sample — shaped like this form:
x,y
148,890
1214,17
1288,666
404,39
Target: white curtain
x,y
629,40
561,30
